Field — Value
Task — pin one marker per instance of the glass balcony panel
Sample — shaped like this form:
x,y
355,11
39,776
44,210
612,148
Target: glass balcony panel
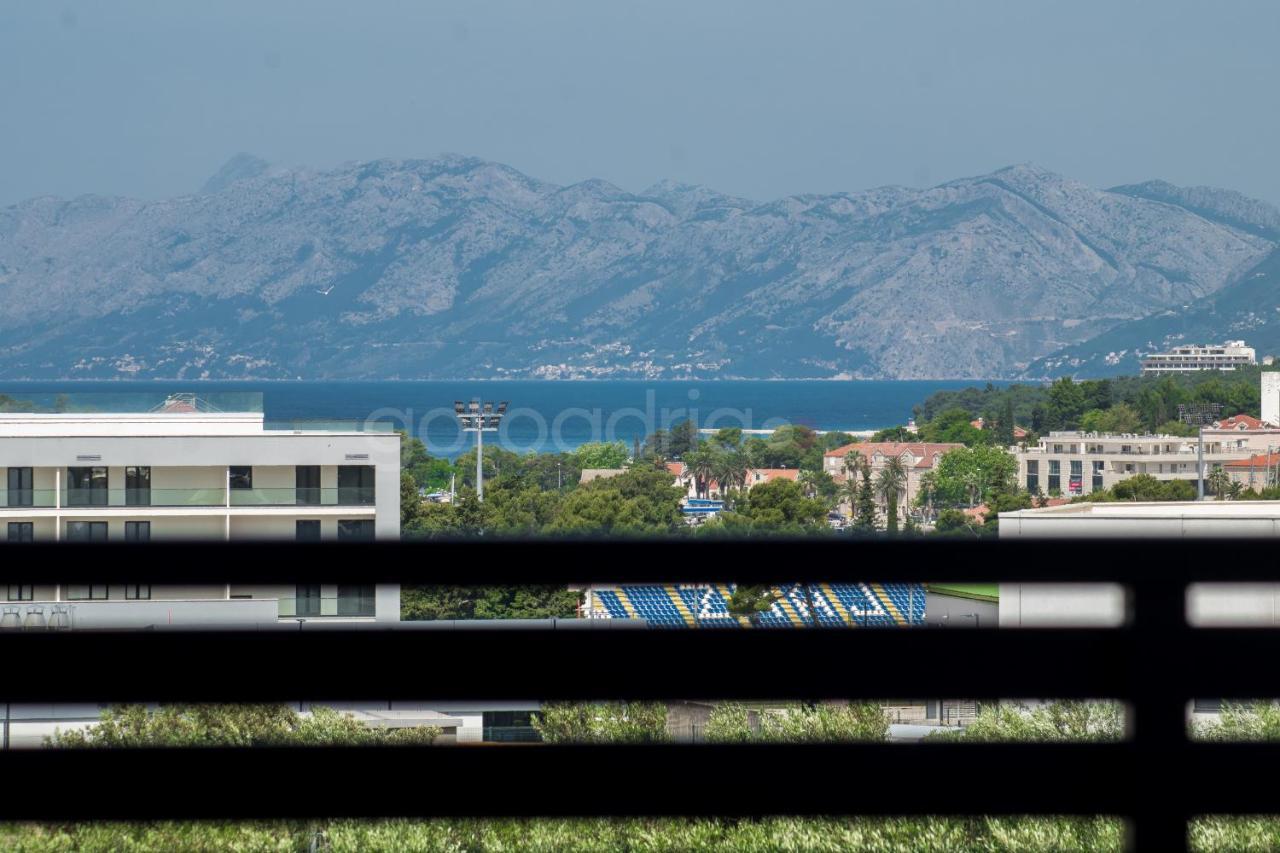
x,y
292,496
28,497
361,606
143,497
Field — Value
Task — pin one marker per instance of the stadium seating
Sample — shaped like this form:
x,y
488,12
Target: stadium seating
x,y
872,605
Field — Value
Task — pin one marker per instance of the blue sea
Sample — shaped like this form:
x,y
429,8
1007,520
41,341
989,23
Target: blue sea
x,y
542,415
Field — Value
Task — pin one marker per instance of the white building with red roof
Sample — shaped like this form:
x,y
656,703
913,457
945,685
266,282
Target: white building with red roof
x,y
918,458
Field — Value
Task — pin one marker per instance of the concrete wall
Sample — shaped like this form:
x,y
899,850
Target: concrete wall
x,y
1041,605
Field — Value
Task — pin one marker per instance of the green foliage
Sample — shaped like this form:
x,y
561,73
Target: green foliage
x,y
896,433
1054,721
578,835
601,454
609,722
487,602
425,470
751,601
864,523
1064,403
954,425
1144,487
967,476
134,726
13,404
778,507
640,502
795,723
953,522
1121,418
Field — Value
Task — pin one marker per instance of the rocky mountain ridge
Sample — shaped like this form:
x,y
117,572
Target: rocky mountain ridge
x,y
457,267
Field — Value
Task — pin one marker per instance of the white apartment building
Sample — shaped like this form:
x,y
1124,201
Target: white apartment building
x,y
1193,357
1077,463
187,470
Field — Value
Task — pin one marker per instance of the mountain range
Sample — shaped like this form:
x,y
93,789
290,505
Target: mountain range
x,y
456,267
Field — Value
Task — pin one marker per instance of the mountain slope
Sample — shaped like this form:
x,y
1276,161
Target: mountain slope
x,y
458,267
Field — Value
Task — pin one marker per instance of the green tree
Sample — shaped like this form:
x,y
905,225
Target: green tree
x,y
897,433
136,726
776,507
751,601
731,722
419,603
639,502
864,523
601,454
681,439
891,483
966,476
609,722
1219,482
954,426
427,471
1054,721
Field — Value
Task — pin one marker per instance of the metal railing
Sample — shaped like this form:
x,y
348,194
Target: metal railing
x,y
1157,663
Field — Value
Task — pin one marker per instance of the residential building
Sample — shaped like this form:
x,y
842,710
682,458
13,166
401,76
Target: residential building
x,y
918,458
1256,472
1077,463
187,468
1019,433
1194,357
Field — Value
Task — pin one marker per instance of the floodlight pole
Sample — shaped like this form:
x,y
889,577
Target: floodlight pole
x,y
479,418
1200,464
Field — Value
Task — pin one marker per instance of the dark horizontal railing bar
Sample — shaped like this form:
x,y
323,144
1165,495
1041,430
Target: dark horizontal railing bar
x,y
550,561
491,781
581,665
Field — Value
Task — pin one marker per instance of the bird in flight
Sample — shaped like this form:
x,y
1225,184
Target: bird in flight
x,y
326,291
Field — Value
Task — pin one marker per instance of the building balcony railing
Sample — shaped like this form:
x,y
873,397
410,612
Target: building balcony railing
x,y
305,607
341,496
143,497
29,498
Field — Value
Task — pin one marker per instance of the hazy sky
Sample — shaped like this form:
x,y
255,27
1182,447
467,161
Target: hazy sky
x,y
761,99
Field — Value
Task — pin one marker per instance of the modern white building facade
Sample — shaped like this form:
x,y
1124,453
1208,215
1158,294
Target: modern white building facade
x,y
185,470
1193,357
1077,463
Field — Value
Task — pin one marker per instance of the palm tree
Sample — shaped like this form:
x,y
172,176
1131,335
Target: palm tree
x,y
701,464
891,482
1220,482
853,464
730,469
928,491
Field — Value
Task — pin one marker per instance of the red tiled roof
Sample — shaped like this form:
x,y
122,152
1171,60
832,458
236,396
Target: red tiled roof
x,y
925,450
1261,460
776,473
675,468
1239,422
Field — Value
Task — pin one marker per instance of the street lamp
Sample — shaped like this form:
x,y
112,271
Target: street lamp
x,y
479,418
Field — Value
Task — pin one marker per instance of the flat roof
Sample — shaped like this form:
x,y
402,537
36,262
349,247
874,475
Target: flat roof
x,y
1210,509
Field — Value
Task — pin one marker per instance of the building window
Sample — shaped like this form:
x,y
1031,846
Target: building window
x,y
22,531
355,485
361,530
355,600
137,486
307,531
137,531
137,592
1097,476
87,592
1033,484
86,531
509,726
307,481
20,487
241,476
87,486
1055,476
21,592
307,599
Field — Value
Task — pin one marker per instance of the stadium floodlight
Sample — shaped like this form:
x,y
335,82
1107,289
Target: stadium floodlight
x,y
479,418
1198,415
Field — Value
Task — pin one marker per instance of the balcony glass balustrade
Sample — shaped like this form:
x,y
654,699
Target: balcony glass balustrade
x,y
318,607
142,497
343,496
28,498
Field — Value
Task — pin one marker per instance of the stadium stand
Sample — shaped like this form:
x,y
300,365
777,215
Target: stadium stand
x,y
869,605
